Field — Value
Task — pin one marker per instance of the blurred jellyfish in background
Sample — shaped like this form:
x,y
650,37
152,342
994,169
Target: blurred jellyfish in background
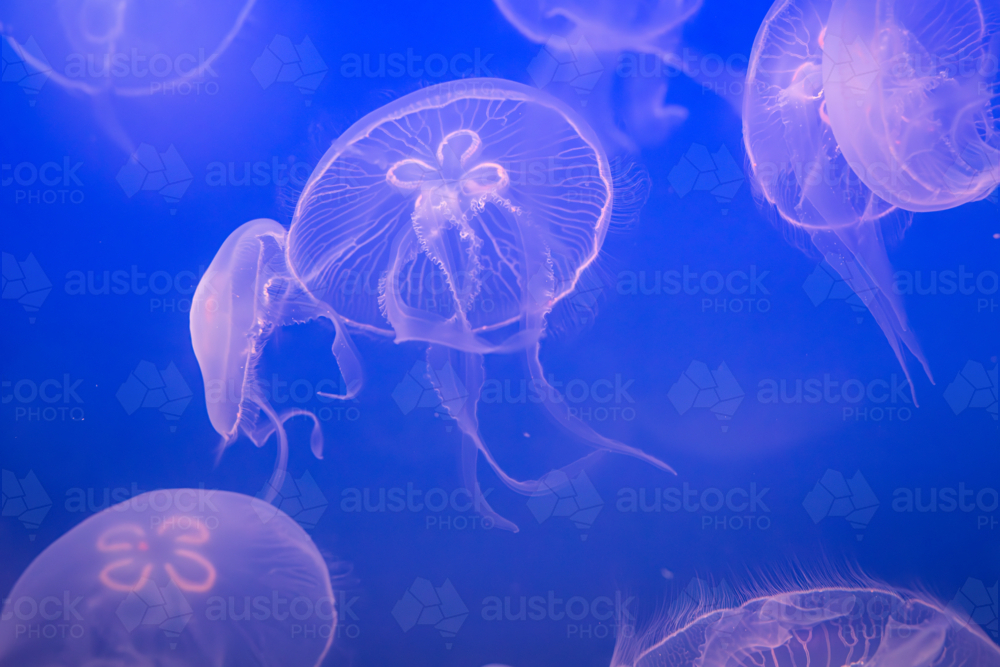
x,y
123,48
174,578
458,216
608,50
246,293
870,626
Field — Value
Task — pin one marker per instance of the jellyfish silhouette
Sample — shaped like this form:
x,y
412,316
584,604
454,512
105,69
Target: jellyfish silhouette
x,y
244,295
178,577
870,626
583,46
798,166
457,216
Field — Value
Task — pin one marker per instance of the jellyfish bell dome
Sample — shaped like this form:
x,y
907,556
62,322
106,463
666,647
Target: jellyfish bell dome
x,y
458,214
913,96
174,578
873,627
126,47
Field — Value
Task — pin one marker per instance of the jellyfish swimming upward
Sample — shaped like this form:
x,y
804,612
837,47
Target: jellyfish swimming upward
x,y
827,627
457,216
174,578
848,127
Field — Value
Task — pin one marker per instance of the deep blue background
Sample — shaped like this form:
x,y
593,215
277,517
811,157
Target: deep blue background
x,y
649,340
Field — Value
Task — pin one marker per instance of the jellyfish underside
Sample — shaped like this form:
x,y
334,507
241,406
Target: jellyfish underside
x,y
830,627
250,284
800,169
486,190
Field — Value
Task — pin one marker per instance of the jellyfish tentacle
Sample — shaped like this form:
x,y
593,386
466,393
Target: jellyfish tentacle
x,y
560,411
445,367
869,276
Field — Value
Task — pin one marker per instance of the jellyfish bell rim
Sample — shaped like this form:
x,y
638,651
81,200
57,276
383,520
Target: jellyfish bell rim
x,y
436,96
903,598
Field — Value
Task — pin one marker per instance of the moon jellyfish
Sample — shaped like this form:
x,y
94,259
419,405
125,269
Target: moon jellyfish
x,y
799,168
458,216
174,578
126,47
913,95
246,293
821,627
583,45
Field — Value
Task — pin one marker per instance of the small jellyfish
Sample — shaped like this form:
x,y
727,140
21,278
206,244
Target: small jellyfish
x,y
458,216
912,92
244,295
799,168
584,42
828,627
174,578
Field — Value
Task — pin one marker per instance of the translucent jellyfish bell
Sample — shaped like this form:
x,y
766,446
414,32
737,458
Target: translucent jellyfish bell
x,y
246,293
583,42
174,578
127,47
458,216
913,96
823,626
798,166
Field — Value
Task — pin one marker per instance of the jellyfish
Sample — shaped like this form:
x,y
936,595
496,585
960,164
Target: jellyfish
x,y
583,45
244,295
912,92
174,578
850,626
799,169
107,49
457,217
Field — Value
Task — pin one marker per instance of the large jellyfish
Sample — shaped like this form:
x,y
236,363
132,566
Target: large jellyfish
x,y
799,169
457,216
476,205
244,295
584,42
820,627
174,578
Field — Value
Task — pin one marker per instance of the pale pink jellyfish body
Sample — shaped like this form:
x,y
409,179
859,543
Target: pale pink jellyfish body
x,y
798,166
913,96
244,296
822,627
174,578
125,47
458,216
